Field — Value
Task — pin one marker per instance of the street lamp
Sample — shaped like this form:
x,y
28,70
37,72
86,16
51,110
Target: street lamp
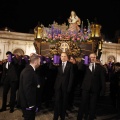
x,y
38,32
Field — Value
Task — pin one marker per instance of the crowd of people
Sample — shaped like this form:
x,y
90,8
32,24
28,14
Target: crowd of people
x,y
32,82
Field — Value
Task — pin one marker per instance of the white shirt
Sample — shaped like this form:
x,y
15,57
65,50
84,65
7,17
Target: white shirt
x,y
90,66
64,63
7,64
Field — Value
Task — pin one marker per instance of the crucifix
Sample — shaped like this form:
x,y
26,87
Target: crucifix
x,y
64,46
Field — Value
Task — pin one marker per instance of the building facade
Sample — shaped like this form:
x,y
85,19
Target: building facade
x,y
110,51
17,43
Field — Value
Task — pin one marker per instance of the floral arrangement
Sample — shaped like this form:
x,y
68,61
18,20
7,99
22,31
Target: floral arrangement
x,y
53,35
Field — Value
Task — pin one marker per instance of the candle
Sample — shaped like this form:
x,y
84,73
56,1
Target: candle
x,y
26,58
56,59
86,60
10,58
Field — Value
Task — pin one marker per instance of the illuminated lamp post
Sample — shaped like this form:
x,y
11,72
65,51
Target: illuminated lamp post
x,y
96,37
38,32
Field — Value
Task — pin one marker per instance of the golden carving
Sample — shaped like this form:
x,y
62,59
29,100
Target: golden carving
x,y
69,47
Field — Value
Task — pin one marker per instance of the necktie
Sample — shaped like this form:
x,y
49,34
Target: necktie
x,y
110,64
8,65
63,65
93,69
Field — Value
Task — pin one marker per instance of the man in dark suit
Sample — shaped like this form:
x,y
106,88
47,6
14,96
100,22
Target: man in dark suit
x,y
10,81
28,88
63,85
93,85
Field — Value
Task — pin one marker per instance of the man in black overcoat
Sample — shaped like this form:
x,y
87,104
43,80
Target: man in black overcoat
x,y
63,85
10,79
93,86
28,88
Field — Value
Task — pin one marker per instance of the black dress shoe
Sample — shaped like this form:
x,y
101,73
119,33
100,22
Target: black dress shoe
x,y
11,110
2,109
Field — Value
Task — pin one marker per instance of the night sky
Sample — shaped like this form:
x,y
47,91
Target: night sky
x,y
24,15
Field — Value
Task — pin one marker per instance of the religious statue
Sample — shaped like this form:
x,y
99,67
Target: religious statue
x,y
74,22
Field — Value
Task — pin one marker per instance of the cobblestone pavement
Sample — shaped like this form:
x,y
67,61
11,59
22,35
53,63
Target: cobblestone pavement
x,y
104,112
46,114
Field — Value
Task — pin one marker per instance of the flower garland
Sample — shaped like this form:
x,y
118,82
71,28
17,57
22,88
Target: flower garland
x,y
54,35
